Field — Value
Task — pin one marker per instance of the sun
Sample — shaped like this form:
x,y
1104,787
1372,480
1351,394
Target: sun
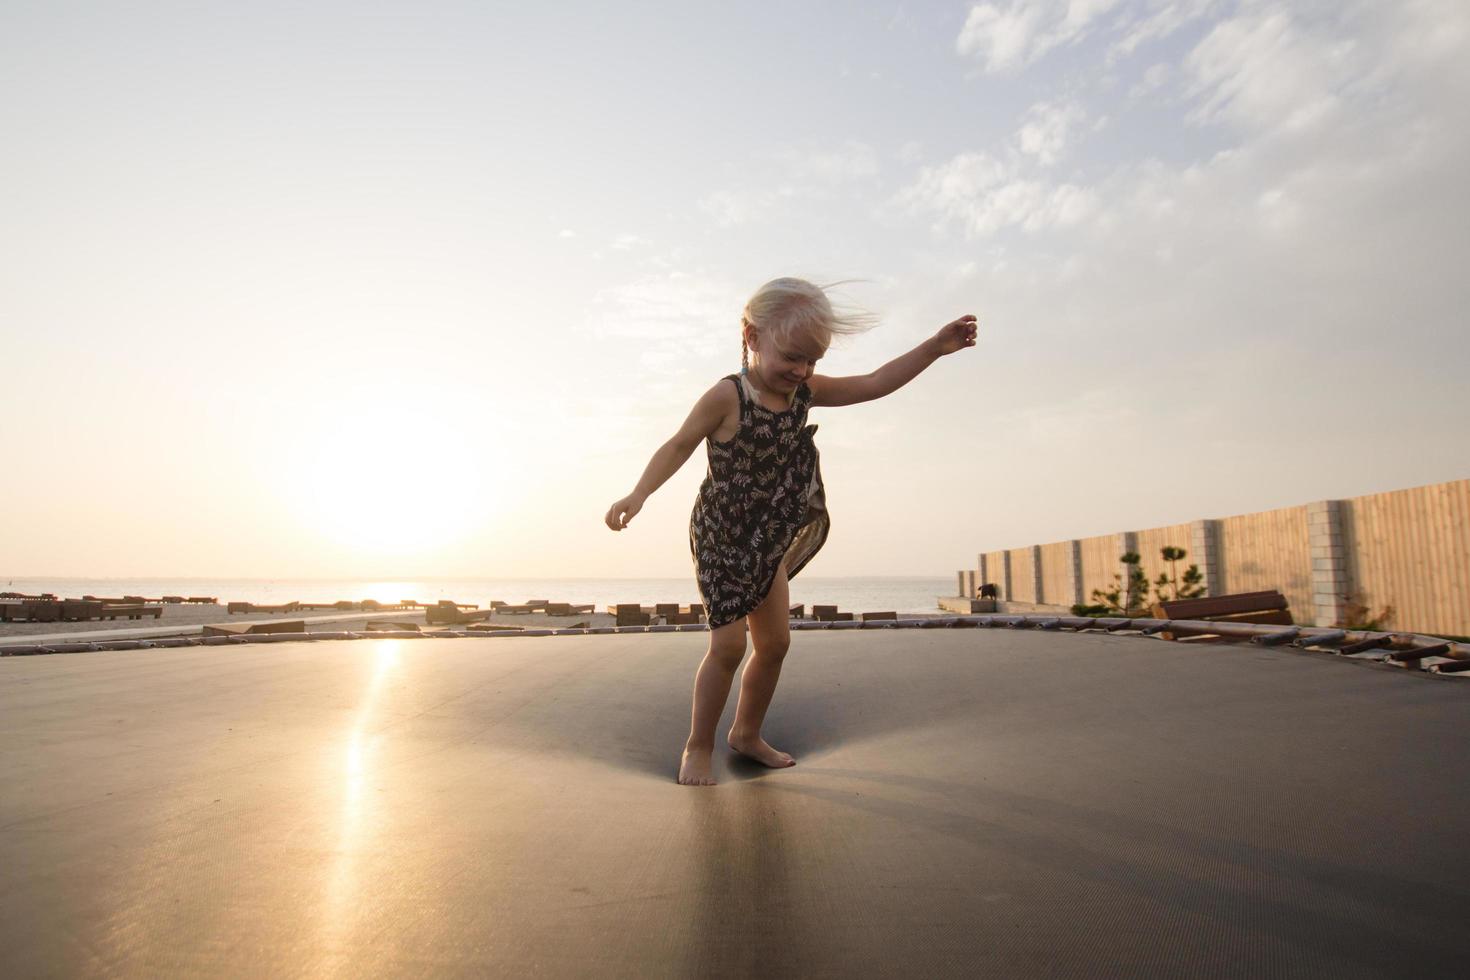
x,y
393,479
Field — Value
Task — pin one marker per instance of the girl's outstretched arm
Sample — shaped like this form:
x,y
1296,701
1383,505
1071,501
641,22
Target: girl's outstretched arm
x,y
953,336
714,407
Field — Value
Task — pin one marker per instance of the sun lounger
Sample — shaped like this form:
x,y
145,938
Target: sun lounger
x,y
40,610
76,610
238,629
569,608
875,616
446,613
630,614
390,626
34,610
130,611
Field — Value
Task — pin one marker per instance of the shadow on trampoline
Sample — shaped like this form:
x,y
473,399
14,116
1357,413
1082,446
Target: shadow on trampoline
x,y
811,716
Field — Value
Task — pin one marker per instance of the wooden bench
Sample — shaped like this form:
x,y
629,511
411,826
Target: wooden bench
x,y
1267,608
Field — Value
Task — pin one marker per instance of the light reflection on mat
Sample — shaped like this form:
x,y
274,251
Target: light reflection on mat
x,y
352,765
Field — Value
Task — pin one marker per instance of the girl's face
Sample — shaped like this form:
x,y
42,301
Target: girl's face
x,y
782,363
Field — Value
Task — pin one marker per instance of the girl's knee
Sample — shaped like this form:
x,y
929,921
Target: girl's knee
x,y
727,650
774,648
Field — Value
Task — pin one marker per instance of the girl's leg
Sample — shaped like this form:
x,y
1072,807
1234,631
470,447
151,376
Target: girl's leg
x,y
770,628
711,691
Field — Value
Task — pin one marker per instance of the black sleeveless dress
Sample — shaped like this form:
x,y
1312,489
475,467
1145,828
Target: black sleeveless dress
x,y
761,501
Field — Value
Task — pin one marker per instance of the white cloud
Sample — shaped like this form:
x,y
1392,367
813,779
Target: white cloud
x,y
1259,71
1011,36
985,195
1047,129
1002,38
1157,23
627,241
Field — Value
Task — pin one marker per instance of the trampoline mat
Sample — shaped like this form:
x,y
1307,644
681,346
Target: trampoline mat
x,y
965,802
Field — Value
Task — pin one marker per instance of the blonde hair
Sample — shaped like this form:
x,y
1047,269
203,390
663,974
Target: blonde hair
x,y
786,307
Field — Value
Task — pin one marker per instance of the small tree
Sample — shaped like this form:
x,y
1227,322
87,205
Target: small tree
x,y
1125,597
1191,588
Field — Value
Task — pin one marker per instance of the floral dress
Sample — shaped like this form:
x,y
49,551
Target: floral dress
x,y
761,501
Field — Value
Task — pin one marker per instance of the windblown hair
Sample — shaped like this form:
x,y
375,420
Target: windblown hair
x,y
787,307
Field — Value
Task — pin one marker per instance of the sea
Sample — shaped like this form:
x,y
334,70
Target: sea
x,y
871,594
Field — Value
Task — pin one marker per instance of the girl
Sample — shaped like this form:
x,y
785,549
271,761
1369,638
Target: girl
x,y
761,513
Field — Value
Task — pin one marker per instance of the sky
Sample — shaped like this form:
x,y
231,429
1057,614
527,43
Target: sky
x,y
415,289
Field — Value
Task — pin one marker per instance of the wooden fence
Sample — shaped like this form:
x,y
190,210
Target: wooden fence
x,y
1338,562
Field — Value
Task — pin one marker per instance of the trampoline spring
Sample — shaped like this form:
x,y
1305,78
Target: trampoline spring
x,y
1324,639
1277,638
1363,646
1419,653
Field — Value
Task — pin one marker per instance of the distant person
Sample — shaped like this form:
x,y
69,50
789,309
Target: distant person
x,y
760,515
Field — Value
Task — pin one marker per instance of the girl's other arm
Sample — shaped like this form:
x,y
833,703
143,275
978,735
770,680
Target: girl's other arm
x,y
953,336
711,409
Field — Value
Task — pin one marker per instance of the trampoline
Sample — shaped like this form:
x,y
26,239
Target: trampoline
x,y
976,802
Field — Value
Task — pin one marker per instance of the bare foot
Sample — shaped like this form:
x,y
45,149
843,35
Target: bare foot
x,y
694,768
756,748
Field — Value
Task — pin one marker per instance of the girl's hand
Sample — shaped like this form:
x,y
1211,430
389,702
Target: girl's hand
x,y
956,335
623,511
